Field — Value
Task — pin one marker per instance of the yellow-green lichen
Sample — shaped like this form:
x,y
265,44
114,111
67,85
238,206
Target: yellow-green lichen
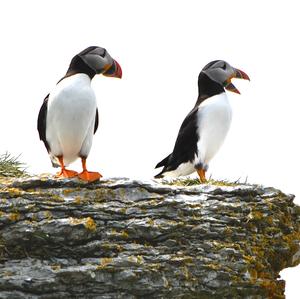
x,y
55,267
77,200
88,222
56,197
48,215
150,221
104,262
121,233
139,259
14,192
274,289
100,195
112,246
13,217
212,266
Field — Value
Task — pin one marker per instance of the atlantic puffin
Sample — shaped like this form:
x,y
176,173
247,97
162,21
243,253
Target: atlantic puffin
x,y
68,117
204,129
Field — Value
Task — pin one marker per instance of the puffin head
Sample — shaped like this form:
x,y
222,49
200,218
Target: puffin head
x,y
222,72
99,60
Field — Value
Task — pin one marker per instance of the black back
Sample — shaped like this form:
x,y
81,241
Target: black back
x,y
41,123
96,121
185,146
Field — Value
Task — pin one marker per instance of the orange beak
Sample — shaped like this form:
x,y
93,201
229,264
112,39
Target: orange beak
x,y
237,74
114,71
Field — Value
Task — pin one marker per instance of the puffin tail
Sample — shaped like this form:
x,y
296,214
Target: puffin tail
x,y
54,161
159,175
164,163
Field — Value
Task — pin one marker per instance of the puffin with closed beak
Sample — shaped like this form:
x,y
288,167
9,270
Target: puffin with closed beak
x,y
68,117
204,129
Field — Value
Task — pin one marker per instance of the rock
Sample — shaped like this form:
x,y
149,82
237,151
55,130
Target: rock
x,y
122,238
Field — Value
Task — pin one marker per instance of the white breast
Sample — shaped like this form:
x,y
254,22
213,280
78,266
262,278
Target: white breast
x,y
71,117
214,119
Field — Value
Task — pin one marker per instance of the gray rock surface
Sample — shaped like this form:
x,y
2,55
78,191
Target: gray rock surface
x,y
122,238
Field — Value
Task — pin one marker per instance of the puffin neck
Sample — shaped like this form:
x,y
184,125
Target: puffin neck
x,y
207,88
77,66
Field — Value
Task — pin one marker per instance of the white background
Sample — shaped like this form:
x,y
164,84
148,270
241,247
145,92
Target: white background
x,y
161,46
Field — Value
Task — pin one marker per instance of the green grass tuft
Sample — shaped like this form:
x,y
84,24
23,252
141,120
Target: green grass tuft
x,y
11,166
195,181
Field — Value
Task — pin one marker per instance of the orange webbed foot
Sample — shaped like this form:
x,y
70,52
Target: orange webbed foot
x,y
65,173
201,173
89,176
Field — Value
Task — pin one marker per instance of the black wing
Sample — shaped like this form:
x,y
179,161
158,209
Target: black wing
x,y
41,123
185,146
96,121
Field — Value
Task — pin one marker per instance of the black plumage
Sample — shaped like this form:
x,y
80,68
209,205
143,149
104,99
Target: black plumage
x,y
185,146
41,123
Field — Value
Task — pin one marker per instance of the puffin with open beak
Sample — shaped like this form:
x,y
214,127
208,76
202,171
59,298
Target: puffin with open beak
x,y
204,129
68,117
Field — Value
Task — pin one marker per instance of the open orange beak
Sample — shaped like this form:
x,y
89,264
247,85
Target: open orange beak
x,y
237,74
114,71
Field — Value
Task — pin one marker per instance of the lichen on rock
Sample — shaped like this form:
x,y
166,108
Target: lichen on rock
x,y
122,238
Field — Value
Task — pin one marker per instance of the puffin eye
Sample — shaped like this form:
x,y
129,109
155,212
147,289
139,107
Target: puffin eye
x,y
224,67
104,53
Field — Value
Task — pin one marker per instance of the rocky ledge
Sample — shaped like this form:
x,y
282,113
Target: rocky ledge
x,y
121,238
